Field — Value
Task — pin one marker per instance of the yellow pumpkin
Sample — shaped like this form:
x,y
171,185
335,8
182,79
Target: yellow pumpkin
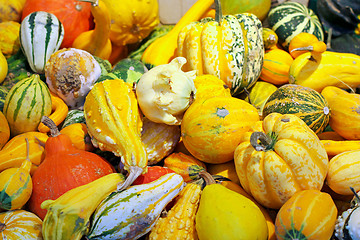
x,y
308,214
305,42
224,169
3,67
11,10
212,129
283,159
210,86
79,136
9,38
4,130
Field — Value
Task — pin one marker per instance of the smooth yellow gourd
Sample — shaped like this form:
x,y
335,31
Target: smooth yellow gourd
x,y
3,67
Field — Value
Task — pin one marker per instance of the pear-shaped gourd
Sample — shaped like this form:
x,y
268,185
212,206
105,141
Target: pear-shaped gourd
x,y
16,184
226,214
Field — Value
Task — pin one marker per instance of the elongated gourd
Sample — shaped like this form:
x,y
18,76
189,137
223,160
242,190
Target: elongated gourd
x,y
334,147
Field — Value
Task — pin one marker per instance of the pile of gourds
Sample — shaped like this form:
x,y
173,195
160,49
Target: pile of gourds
x,y
232,124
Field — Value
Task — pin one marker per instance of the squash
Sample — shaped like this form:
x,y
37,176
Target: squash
x,y
308,214
11,10
41,34
25,104
185,165
73,116
135,209
212,129
208,85
73,14
291,18
344,172
326,69
276,67
9,38
13,154
304,42
335,147
78,167
164,48
114,124
16,184
3,92
15,223
229,47
4,130
224,169
70,74
260,7
153,173
344,111
286,157
270,38
306,103
96,41
79,136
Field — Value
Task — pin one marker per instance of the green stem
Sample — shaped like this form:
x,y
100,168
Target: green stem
x,y
218,11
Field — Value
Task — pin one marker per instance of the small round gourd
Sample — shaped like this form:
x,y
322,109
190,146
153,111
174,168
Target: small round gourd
x,y
306,42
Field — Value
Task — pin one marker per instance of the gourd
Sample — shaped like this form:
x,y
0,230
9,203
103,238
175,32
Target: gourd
x,y
13,154
153,173
131,213
344,172
16,184
114,124
306,103
208,85
3,92
4,130
229,47
70,74
15,223
304,42
185,165
276,66
73,116
79,136
159,139
73,14
286,157
132,21
164,48
344,112
225,214
41,34
335,147
9,38
291,18
259,8
96,41
308,214
270,38
25,104
11,10
212,129
68,216
326,69
226,170
78,167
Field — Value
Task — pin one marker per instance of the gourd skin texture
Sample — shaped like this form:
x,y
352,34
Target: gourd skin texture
x,y
225,214
9,38
4,130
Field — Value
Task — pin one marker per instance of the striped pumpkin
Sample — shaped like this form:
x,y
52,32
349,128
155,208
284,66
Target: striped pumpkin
x,y
41,34
229,47
131,213
20,224
304,102
291,18
25,104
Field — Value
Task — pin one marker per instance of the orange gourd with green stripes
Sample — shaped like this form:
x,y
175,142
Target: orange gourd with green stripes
x,y
276,67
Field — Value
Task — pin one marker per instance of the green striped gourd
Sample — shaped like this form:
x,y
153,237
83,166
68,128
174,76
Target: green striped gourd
x,y
304,102
25,104
41,34
3,93
291,18
74,116
229,47
131,213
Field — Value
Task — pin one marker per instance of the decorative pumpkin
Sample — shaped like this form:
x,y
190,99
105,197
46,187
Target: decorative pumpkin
x,y
164,48
270,38
208,85
73,116
16,184
291,18
305,42
15,223
276,67
306,103
79,136
4,130
308,214
283,159
25,104
212,129
224,169
153,173
229,47
11,10
73,14
3,71
9,37
114,124
78,167
96,41
41,34
13,154
335,147
344,112
259,7
70,74
344,172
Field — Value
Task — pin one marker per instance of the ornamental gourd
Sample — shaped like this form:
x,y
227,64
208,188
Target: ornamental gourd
x,y
9,38
229,47
4,130
285,158
305,42
11,10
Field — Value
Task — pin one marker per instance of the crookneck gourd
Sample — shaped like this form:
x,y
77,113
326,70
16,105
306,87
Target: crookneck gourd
x,y
114,123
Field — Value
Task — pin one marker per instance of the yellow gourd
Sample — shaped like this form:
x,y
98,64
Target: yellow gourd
x,y
16,184
305,42
3,67
4,130
96,41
